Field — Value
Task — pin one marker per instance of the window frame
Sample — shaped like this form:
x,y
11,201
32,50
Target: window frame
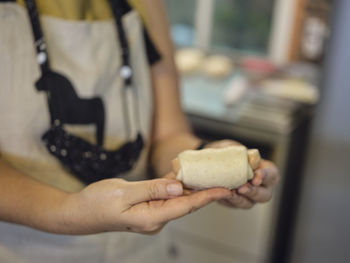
x,y
281,31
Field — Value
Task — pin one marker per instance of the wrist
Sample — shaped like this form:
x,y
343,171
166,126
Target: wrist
x,y
167,149
85,212
49,214
65,215
72,215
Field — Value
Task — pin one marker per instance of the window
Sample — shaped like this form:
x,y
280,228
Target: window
x,y
242,25
260,27
181,14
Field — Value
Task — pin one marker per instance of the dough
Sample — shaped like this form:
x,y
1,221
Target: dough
x,y
188,60
254,158
221,167
217,66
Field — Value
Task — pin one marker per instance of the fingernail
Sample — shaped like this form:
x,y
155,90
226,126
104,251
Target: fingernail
x,y
244,190
257,181
174,189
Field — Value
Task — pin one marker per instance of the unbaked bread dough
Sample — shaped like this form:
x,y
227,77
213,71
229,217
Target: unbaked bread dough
x,y
221,167
188,60
254,158
217,66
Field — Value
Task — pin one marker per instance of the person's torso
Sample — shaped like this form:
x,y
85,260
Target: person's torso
x,y
83,45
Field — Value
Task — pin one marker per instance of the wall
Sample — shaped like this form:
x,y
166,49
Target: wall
x,y
323,228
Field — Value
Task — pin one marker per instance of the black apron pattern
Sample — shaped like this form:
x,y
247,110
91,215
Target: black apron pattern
x,y
88,162
76,110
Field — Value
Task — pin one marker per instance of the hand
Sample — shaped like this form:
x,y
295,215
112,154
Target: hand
x,y
143,207
257,190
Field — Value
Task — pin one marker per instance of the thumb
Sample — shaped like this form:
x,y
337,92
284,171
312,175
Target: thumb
x,y
154,190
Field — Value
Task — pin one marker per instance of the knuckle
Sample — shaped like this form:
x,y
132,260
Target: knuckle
x,y
154,191
246,205
151,227
268,197
230,203
243,203
118,180
192,209
240,200
148,225
254,193
237,201
116,183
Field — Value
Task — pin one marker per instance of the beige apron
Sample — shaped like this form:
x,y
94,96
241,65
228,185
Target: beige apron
x,y
89,55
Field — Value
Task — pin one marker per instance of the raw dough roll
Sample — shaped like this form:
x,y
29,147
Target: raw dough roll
x,y
188,60
217,66
254,158
221,167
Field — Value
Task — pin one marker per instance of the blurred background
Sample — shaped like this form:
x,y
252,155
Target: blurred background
x,y
275,75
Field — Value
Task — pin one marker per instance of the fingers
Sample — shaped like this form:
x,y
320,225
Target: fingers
x,y
156,189
237,201
258,178
256,193
222,144
176,165
171,176
269,173
178,207
266,174
261,186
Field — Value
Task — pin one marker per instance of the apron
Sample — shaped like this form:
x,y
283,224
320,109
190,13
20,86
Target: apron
x,y
87,52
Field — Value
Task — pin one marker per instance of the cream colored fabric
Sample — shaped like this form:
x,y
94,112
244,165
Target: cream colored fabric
x,y
80,9
88,54
222,167
24,245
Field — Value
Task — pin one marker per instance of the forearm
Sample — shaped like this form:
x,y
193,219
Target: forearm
x,y
171,131
165,151
107,205
26,201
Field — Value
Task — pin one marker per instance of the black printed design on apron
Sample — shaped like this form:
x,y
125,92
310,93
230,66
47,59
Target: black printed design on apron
x,y
86,161
75,110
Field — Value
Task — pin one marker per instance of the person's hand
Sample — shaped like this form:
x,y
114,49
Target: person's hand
x,y
143,206
257,190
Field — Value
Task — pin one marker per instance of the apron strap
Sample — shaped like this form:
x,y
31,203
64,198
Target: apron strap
x,y
39,41
41,47
119,8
